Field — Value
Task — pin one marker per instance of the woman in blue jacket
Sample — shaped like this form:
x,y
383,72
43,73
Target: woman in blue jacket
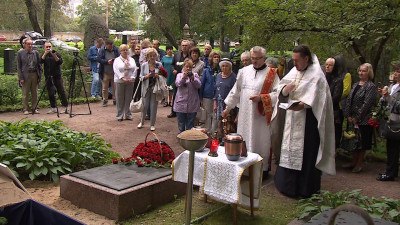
x,y
207,90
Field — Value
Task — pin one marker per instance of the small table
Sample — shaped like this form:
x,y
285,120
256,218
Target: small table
x,y
231,182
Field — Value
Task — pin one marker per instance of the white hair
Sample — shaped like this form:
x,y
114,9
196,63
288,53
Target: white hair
x,y
246,53
273,61
259,49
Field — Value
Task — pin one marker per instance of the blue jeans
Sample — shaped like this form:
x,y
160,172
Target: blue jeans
x,y
185,121
96,85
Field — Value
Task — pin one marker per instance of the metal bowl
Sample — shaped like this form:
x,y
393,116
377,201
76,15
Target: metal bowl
x,y
192,145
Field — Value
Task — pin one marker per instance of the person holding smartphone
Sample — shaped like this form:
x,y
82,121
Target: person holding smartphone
x,y
52,61
187,101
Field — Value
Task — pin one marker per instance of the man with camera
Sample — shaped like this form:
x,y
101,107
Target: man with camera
x,y
52,61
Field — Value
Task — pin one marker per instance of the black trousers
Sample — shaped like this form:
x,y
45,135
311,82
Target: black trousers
x,y
392,152
52,88
307,181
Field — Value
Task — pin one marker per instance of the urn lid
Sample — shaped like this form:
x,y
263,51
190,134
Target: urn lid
x,y
234,137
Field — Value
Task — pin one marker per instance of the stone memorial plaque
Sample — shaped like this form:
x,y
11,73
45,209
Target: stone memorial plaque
x,y
120,177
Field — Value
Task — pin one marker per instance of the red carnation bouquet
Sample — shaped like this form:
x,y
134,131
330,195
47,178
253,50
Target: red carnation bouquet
x,y
163,72
154,153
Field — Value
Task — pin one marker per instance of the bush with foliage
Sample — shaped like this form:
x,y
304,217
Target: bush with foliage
x,y
385,208
10,92
45,150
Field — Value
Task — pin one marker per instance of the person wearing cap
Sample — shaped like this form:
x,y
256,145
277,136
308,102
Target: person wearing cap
x,y
223,84
255,94
235,57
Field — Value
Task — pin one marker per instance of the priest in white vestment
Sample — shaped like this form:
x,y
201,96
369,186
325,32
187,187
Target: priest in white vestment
x,y
308,145
255,94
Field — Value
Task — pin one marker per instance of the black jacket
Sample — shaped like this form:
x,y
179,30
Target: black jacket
x,y
51,66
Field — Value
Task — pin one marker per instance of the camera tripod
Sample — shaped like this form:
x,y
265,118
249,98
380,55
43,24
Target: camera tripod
x,y
72,86
49,84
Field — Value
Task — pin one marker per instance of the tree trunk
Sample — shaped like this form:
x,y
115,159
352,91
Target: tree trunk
x,y
33,16
184,12
47,16
167,32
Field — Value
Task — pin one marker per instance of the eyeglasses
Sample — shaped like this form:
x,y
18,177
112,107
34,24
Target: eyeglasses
x,y
48,46
256,58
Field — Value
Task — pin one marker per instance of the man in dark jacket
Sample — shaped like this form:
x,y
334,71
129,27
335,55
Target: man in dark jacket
x,y
29,73
52,61
106,57
176,66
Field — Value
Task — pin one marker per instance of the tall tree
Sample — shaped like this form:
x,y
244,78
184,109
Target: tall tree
x,y
123,15
161,12
47,16
33,16
87,9
365,27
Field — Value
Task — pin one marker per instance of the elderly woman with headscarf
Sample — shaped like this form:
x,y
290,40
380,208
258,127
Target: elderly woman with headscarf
x,y
223,84
335,83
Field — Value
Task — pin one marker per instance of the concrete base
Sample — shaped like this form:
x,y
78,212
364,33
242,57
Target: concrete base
x,y
120,204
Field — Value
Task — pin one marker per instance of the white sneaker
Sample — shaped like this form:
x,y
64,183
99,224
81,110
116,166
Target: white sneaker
x,y
26,112
152,128
52,110
140,126
64,111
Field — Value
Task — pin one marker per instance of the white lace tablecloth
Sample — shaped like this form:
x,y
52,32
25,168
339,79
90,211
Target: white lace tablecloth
x,y
219,178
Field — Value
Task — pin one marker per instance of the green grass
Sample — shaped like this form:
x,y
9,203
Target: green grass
x,y
274,210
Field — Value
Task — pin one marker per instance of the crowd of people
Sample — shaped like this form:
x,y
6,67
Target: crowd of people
x,y
288,109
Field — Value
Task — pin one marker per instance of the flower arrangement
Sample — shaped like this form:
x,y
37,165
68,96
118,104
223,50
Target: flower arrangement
x,y
150,153
163,72
378,113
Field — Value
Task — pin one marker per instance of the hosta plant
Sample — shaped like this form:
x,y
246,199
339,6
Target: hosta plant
x,y
45,150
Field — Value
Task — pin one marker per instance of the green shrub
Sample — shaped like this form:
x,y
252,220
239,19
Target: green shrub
x,y
10,92
385,208
44,150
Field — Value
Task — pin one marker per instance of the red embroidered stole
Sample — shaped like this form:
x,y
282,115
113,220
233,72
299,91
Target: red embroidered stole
x,y
265,105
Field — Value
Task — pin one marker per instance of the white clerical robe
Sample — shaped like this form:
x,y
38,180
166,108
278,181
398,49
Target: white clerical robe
x,y
251,124
313,90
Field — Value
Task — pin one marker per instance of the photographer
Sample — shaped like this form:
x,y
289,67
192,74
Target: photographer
x,y
187,102
52,61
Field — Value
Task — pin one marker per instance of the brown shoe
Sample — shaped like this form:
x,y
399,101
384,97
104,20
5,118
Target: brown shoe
x,y
172,115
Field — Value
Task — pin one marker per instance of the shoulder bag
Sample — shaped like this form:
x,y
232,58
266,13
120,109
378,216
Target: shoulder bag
x,y
136,107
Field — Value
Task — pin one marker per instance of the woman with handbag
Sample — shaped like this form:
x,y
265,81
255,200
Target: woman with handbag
x,y
358,109
124,75
148,75
391,96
